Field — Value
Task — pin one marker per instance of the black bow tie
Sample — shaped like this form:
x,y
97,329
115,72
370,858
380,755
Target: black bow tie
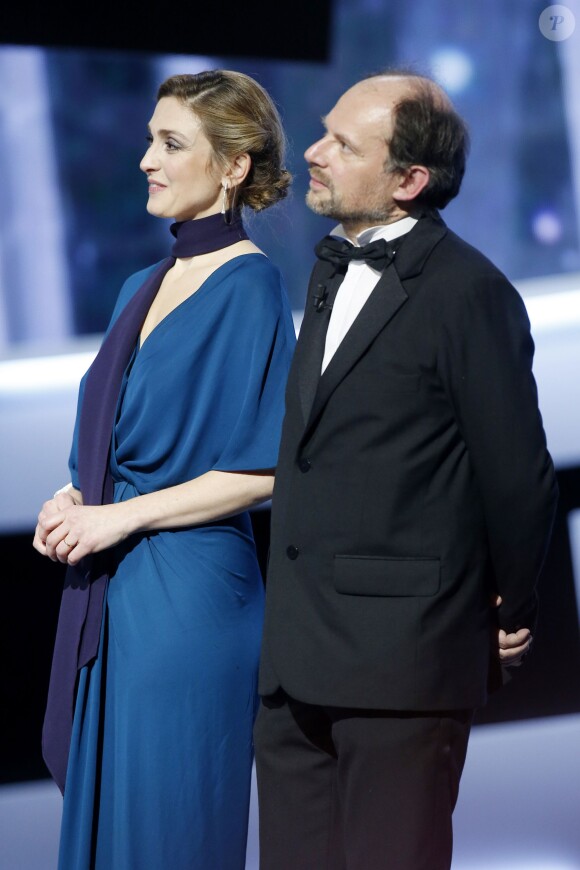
x,y
340,252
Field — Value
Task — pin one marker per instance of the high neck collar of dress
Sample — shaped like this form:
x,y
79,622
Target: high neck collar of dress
x,y
207,234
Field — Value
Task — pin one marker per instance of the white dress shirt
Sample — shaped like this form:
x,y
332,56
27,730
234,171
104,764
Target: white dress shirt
x,y
358,284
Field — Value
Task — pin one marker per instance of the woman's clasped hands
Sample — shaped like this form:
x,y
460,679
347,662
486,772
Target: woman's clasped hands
x,y
67,531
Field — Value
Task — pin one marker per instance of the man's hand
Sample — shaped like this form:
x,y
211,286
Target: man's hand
x,y
512,648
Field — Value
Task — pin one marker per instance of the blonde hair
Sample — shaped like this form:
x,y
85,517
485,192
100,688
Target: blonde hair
x,y
238,116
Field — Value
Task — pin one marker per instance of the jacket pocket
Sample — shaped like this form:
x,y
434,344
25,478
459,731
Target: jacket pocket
x,y
386,576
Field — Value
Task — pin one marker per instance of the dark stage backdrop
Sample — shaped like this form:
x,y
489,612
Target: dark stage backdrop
x,y
256,28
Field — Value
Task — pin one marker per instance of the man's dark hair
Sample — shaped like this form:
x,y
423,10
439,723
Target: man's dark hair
x,y
428,131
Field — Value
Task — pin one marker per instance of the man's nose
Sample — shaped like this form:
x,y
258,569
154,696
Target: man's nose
x,y
316,152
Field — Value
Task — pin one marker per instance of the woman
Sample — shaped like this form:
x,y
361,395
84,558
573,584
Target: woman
x,y
176,437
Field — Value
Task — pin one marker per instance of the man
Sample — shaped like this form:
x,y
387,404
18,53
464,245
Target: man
x,y
413,502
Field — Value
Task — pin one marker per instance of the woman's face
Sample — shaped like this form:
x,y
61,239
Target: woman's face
x,y
183,184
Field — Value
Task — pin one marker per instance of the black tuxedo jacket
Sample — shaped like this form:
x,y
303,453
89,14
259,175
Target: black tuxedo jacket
x,y
413,483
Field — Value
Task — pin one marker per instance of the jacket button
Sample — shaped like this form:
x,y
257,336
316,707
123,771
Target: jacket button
x,y
304,465
292,552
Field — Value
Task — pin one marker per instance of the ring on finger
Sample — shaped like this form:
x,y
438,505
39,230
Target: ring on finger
x,y
70,546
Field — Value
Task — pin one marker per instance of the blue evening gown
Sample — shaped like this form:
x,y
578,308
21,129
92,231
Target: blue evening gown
x,y
161,756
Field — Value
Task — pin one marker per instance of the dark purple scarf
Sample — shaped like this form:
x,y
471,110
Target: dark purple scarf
x,y
79,623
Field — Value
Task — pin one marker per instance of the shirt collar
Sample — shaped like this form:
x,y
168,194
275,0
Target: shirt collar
x,y
388,232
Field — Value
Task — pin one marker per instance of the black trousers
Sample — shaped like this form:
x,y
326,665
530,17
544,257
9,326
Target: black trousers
x,y
351,789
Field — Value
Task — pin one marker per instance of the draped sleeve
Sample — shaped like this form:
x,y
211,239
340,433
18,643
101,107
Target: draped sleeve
x,y
256,359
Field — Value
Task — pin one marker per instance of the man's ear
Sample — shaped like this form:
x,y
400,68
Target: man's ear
x,y
414,180
238,170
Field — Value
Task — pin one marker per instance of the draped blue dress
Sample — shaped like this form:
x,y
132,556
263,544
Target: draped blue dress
x,y
160,762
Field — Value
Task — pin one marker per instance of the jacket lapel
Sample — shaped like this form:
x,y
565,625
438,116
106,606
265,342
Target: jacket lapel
x,y
310,348
383,303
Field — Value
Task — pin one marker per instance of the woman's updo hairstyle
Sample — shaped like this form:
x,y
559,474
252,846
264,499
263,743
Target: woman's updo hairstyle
x,y
238,116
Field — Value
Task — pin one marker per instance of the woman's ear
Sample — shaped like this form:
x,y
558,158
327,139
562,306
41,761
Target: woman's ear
x,y
414,180
238,170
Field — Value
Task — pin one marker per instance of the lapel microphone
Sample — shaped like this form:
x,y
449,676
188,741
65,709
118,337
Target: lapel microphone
x,y
319,298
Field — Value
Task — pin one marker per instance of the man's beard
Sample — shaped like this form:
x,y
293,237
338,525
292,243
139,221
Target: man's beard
x,y
333,208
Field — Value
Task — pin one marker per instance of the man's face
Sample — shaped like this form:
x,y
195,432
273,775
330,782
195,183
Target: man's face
x,y
350,179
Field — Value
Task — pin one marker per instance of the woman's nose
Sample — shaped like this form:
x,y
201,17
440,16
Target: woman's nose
x,y
149,160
